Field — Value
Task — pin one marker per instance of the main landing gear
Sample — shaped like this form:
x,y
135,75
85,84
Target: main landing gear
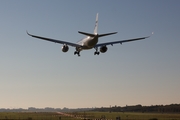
x,y
77,52
78,49
96,52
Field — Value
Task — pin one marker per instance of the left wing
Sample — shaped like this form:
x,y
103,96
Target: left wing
x,y
122,41
56,41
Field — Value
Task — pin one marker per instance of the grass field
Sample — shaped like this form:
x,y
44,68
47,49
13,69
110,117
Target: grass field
x,y
129,116
32,116
87,115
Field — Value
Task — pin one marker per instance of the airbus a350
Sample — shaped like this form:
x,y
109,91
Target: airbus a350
x,y
89,42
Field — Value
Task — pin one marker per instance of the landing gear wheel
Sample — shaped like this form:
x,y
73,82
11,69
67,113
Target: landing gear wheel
x,y
96,53
77,52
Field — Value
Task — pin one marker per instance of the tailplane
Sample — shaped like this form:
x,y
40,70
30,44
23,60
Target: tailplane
x,y
87,34
93,35
102,35
95,30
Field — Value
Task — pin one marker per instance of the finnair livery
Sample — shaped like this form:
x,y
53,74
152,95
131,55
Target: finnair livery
x,y
89,42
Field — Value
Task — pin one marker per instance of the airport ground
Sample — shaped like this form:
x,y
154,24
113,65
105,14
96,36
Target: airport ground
x,y
87,116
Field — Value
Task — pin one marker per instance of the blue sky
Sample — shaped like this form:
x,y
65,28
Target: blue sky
x,y
36,73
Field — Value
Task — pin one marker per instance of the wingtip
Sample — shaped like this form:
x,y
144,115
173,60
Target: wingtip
x,y
28,33
151,34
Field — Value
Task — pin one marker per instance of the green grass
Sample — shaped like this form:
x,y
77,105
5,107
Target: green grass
x,y
89,115
32,116
131,116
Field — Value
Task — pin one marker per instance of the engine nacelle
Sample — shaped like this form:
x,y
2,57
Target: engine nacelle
x,y
65,48
103,49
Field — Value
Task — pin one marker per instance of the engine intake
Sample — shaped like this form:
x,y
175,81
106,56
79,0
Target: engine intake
x,y
103,49
65,48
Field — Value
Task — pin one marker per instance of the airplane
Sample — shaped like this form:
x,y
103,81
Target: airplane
x,y
89,42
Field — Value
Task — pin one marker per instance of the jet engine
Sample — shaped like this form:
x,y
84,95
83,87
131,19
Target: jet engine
x,y
65,48
103,49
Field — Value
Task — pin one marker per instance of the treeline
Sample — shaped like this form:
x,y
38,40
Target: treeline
x,y
47,109
173,108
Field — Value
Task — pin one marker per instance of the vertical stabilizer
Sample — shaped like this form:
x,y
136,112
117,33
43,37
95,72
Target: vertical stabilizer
x,y
96,25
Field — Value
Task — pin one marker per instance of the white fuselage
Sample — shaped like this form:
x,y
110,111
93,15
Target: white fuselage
x,y
88,42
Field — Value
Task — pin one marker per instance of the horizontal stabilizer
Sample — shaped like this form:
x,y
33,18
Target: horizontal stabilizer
x,y
102,35
88,34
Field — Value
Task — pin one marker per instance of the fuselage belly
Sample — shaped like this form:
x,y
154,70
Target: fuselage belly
x,y
88,43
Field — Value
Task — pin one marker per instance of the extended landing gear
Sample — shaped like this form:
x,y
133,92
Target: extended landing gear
x,y
77,52
96,52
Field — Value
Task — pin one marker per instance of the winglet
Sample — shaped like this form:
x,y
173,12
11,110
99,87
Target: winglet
x,y
28,33
151,34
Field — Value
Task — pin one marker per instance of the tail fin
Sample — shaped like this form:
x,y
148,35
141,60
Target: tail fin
x,y
95,30
96,25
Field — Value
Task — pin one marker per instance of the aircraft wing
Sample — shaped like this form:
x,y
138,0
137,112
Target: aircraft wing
x,y
56,41
121,41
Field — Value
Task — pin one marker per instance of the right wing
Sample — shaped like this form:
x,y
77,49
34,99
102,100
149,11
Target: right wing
x,y
56,41
121,41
